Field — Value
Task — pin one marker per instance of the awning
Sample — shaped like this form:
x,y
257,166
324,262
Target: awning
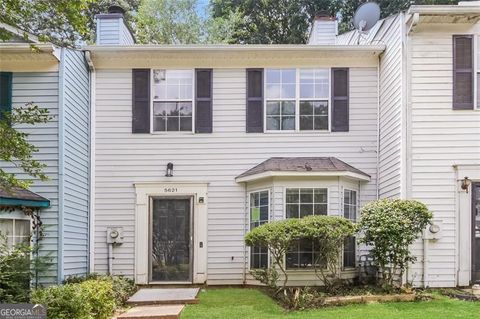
x,y
22,197
302,167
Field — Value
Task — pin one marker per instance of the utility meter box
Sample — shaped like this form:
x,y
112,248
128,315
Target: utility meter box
x,y
434,231
114,235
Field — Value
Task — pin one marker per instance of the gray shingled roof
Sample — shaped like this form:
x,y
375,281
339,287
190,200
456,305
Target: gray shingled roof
x,y
21,193
302,164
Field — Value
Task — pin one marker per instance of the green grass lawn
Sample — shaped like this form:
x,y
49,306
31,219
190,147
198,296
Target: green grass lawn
x,y
232,303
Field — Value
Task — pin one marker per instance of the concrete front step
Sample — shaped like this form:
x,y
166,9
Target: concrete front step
x,y
153,312
164,296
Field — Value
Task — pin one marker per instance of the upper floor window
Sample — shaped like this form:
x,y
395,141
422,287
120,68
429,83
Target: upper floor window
x,y
173,100
297,99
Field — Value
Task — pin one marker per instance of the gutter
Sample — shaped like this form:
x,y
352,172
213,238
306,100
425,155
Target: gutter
x,y
91,168
377,48
448,10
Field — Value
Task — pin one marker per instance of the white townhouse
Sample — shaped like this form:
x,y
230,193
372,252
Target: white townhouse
x,y
195,145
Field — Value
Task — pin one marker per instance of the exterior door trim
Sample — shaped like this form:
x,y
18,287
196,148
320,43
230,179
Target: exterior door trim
x,y
198,193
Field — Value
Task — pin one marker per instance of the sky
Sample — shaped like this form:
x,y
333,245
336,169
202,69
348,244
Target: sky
x,y
201,6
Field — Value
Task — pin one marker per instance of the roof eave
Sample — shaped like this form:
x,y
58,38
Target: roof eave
x,y
24,202
377,48
269,174
444,10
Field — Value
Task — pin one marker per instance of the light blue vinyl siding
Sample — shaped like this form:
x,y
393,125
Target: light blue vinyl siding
x,y
75,151
42,89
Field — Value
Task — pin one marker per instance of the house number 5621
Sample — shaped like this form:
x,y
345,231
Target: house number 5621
x,y
171,190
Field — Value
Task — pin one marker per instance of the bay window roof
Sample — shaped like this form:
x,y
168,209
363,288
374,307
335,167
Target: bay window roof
x,y
302,166
22,197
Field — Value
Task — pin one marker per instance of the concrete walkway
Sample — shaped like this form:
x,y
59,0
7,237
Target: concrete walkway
x,y
159,303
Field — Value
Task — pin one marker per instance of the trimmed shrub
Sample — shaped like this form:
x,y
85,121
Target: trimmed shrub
x,y
123,287
18,267
100,296
390,227
327,233
63,302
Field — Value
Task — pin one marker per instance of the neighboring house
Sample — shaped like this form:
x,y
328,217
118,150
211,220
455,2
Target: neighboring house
x,y
58,80
430,131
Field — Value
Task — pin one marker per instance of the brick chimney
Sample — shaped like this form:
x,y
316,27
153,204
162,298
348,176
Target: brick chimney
x,y
112,28
324,29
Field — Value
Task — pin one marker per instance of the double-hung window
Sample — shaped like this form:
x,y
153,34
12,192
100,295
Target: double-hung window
x,y
301,202
258,211
350,208
297,99
173,100
281,99
314,96
15,231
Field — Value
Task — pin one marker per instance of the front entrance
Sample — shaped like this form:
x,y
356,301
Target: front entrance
x,y
475,232
171,240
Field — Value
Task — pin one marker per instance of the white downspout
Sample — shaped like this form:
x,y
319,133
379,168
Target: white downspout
x,y
377,180
91,218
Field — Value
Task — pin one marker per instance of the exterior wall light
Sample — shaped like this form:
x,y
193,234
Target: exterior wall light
x,y
465,184
169,172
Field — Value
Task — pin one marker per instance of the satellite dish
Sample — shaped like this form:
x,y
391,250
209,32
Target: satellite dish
x,y
366,16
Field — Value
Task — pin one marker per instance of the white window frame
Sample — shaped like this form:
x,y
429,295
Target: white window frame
x,y
285,217
14,219
304,187
249,263
356,203
152,100
297,100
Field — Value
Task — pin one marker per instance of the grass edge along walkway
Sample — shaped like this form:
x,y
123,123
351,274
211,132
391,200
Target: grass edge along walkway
x,y
251,303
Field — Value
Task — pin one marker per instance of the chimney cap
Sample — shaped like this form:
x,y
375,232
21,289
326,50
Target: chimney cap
x,y
116,9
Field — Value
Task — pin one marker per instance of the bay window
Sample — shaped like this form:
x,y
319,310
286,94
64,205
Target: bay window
x,y
15,231
301,202
350,208
259,215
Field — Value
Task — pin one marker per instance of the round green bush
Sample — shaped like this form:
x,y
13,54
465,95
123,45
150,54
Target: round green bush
x,y
390,227
63,302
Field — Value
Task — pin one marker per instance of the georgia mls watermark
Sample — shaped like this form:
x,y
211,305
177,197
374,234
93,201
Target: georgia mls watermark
x,y
22,311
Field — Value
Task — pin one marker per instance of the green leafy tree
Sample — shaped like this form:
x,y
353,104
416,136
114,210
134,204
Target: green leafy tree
x,y
15,149
58,21
272,21
390,227
168,22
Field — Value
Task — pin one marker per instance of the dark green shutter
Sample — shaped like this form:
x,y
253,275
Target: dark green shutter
x,y
254,101
203,101
340,100
5,92
141,101
463,72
